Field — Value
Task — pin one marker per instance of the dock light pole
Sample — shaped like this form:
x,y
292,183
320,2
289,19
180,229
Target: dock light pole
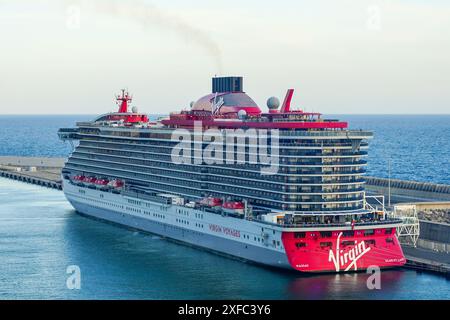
x,y
389,182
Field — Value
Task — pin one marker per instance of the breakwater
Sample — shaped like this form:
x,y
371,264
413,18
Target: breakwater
x,y
404,190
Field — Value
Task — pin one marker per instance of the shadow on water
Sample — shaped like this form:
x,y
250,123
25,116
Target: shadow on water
x,y
121,263
345,286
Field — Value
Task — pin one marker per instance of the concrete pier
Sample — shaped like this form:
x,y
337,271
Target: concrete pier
x,y
44,172
427,260
55,184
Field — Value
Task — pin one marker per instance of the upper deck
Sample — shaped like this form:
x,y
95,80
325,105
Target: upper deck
x,y
284,159
227,107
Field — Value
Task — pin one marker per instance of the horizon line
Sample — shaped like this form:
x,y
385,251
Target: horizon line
x,y
347,114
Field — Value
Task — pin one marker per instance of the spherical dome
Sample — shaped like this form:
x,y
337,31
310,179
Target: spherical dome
x,y
229,102
242,114
273,103
134,109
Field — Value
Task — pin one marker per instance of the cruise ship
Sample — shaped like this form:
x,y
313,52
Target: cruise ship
x,y
280,187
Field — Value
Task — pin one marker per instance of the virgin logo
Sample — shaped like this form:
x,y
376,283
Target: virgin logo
x,y
349,258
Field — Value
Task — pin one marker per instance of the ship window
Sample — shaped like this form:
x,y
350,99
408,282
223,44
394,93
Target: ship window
x,y
348,243
325,234
389,240
370,242
298,235
326,244
388,231
300,244
349,233
369,232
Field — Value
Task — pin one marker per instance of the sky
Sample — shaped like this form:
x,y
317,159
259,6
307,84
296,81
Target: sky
x,y
341,57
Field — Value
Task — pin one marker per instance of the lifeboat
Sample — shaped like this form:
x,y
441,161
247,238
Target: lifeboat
x,y
101,182
116,184
89,180
211,202
235,207
78,178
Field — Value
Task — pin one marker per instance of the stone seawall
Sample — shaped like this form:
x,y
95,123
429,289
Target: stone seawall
x,y
402,190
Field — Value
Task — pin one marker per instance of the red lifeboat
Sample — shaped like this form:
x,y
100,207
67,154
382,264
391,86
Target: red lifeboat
x,y
117,184
233,207
78,178
90,180
211,202
101,182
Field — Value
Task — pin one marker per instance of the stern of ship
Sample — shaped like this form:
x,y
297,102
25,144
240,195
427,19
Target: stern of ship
x,y
343,250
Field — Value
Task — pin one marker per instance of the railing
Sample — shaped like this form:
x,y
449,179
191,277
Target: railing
x,y
145,196
283,133
134,146
286,169
343,133
339,225
69,130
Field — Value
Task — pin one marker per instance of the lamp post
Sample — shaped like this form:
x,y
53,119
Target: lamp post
x,y
389,182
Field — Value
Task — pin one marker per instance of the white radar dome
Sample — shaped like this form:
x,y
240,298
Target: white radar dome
x,y
242,114
134,109
273,103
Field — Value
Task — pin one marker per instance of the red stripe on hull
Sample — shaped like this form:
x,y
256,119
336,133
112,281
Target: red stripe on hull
x,y
314,251
259,125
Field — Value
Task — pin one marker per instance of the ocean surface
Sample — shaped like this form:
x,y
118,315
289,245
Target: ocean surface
x,y
417,146
41,236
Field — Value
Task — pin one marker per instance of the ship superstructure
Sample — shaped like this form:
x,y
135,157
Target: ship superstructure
x,y
283,187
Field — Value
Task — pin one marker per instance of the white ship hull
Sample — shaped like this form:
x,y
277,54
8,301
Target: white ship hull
x,y
225,235
303,207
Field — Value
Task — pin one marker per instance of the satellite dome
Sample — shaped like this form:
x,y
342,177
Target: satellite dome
x,y
242,114
273,103
134,109
230,102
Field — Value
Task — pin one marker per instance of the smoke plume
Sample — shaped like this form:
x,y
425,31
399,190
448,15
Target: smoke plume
x,y
147,14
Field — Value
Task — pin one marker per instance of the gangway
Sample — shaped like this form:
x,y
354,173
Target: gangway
x,y
409,231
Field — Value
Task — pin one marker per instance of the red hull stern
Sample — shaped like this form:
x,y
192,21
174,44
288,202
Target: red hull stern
x,y
343,251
